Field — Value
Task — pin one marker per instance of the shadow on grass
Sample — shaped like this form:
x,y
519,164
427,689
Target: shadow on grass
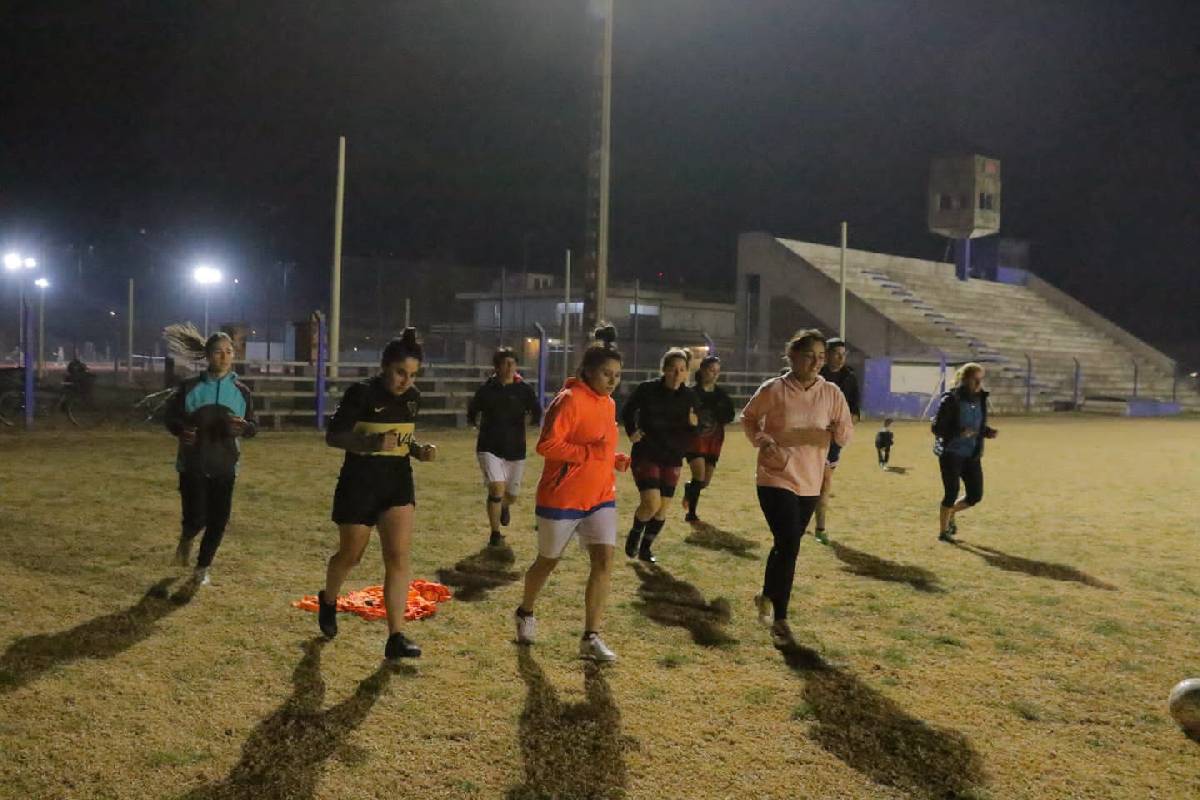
x,y
283,757
1038,569
874,736
28,658
897,470
670,601
869,566
713,538
571,750
479,573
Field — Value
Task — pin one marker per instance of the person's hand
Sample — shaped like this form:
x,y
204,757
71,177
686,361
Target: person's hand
x,y
621,462
388,441
236,425
763,439
637,436
967,433
990,433
693,420
188,436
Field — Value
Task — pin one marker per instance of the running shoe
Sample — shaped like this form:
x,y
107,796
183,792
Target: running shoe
x,y
183,552
496,539
781,634
399,646
592,647
765,608
526,628
631,543
505,516
821,537
326,616
947,536
200,577
644,554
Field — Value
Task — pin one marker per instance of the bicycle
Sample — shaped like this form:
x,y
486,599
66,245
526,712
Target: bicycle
x,y
72,400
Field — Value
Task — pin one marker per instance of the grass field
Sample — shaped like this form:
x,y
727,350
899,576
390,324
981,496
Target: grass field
x,y
1034,661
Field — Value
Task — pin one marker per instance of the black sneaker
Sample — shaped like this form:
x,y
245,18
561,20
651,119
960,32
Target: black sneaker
x,y
505,516
496,539
947,536
399,646
953,529
644,554
326,616
631,543
690,517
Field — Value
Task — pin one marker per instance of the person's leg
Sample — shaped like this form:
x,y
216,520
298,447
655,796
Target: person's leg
x,y
951,469
787,515
595,598
535,578
352,543
648,504
217,507
879,456
972,478
823,503
705,478
395,535
887,455
495,498
192,502
668,480
553,536
691,492
514,472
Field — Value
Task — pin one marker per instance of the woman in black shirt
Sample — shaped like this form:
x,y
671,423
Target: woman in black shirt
x,y
374,424
659,417
704,449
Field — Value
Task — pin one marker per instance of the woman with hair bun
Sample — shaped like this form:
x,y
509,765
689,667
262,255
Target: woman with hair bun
x,y
704,449
374,424
208,414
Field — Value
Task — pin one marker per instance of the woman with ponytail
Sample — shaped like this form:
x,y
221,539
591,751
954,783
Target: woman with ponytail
x,y
374,424
208,414
704,449
577,491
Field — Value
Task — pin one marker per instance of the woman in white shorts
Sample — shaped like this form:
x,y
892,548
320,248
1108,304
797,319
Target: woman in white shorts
x,y
506,403
576,495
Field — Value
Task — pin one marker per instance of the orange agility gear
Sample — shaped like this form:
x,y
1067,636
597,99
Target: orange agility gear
x,y
423,598
579,445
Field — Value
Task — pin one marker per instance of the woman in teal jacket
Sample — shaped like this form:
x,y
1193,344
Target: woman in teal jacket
x,y
208,414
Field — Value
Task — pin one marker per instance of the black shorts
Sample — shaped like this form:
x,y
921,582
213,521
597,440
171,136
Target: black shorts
x,y
709,458
653,475
365,491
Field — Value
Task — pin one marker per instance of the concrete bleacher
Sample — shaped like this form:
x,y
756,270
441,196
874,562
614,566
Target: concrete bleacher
x,y
1008,327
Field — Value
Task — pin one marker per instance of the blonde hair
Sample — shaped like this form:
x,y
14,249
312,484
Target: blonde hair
x,y
185,342
966,369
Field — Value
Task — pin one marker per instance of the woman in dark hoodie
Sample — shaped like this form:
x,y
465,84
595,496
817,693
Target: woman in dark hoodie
x,y
208,414
960,427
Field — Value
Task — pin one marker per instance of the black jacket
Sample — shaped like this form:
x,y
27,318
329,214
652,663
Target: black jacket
x,y
368,410
504,408
205,404
662,415
846,380
946,424
716,409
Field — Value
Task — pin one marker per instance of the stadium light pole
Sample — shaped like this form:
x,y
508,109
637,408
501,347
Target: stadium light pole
x,y
18,264
42,284
206,276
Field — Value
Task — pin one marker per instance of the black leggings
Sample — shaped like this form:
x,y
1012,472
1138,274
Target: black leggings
x,y
206,504
970,470
787,516
884,453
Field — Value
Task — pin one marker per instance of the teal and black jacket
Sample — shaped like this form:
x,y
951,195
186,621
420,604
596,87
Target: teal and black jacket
x,y
206,403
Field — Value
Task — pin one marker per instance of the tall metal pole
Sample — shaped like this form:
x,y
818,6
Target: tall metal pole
x,y
129,333
41,359
605,165
842,306
206,311
407,311
566,324
503,297
335,288
27,333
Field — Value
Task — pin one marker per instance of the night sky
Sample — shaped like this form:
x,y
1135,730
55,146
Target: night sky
x,y
161,130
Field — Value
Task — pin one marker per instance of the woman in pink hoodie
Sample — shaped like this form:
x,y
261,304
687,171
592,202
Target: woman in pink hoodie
x,y
791,420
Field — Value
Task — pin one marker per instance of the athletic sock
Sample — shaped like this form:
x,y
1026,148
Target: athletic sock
x,y
698,487
653,528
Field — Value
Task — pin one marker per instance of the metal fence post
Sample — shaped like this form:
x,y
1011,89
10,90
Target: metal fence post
x,y
320,404
30,368
1135,376
1075,394
543,363
1028,383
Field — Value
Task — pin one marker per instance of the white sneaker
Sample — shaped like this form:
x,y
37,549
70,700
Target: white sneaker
x,y
594,648
526,628
200,576
766,610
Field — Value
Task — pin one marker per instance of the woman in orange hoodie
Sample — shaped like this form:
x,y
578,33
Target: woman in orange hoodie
x,y
577,491
791,420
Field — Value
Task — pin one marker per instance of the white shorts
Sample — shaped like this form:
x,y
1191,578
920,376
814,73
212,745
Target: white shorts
x,y
598,526
497,470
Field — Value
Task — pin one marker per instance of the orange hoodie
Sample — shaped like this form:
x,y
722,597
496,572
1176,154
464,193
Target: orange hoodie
x,y
579,444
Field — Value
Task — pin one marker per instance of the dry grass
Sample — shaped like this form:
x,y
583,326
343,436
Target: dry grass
x,y
1032,662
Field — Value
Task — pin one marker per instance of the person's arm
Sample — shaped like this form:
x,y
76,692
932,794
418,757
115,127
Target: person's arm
x,y
946,421
475,406
853,395
629,412
842,421
532,405
341,434
693,417
725,411
554,443
247,424
754,415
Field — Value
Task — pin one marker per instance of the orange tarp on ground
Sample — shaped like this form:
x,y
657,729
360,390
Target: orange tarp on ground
x,y
423,597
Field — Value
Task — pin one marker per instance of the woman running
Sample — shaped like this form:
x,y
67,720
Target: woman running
x,y
659,418
960,428
716,411
374,424
208,413
577,492
791,420
505,403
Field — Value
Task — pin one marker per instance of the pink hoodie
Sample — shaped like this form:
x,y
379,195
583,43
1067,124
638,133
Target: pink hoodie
x,y
778,410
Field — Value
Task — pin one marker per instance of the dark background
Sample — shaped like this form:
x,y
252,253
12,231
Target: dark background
x,y
140,135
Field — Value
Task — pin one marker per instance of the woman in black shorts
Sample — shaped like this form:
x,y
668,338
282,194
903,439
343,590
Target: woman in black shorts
x,y
716,411
659,418
374,425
